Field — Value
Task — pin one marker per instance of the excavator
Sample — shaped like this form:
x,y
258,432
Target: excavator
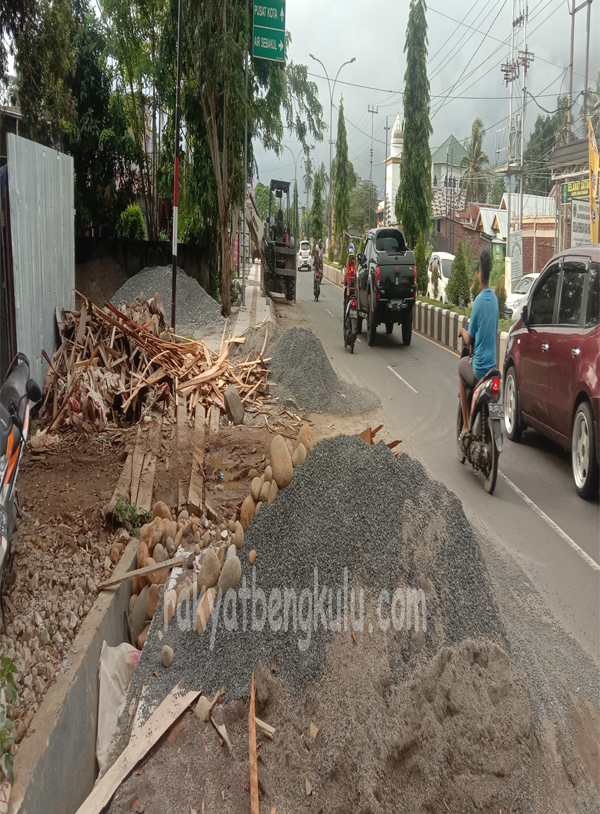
x,y
274,242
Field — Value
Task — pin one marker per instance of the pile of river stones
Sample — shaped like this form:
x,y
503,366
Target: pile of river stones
x,y
216,549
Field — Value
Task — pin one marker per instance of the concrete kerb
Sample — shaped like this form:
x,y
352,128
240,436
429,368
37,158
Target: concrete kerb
x,y
333,274
55,767
443,326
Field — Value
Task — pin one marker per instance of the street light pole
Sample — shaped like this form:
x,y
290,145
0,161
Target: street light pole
x,y
331,92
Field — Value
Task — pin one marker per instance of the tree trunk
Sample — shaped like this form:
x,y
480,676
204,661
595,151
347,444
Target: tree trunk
x,y
226,269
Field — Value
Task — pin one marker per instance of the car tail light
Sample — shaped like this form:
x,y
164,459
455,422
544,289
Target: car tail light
x,y
354,303
495,386
377,275
415,275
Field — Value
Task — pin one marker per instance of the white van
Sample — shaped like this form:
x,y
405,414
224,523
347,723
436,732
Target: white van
x,y
304,256
443,262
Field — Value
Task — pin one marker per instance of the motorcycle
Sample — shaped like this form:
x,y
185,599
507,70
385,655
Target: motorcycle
x,y
317,283
16,396
350,322
482,444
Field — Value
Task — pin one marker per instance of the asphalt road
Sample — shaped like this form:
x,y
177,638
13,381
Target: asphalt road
x,y
535,513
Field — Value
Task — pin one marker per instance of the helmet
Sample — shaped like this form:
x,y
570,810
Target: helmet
x,y
351,250
351,246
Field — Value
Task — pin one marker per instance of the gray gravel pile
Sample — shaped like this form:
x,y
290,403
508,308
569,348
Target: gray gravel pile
x,y
301,369
349,506
197,314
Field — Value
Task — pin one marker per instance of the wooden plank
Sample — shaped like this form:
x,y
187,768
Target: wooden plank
x,y
142,572
144,497
254,804
195,502
137,463
184,455
214,419
174,705
123,486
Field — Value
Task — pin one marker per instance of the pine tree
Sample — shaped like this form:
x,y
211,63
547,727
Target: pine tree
x,y
459,284
341,187
421,261
316,214
413,201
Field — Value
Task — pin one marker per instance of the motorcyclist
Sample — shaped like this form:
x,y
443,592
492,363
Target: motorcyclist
x,y
317,259
349,276
481,335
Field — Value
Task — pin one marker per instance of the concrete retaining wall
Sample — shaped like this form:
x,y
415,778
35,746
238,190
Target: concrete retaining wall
x,y
333,274
443,325
55,767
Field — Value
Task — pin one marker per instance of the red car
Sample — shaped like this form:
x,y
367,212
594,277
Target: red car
x,y
552,365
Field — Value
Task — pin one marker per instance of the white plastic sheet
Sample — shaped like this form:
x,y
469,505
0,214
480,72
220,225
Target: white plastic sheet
x,y
117,665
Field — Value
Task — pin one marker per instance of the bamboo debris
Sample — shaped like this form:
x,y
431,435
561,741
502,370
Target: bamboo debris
x,y
116,364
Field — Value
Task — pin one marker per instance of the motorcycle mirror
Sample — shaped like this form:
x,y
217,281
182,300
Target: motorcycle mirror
x,y
32,388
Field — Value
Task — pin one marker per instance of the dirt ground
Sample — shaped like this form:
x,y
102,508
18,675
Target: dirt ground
x,y
60,556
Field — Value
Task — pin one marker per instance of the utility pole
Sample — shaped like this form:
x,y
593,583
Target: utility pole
x,y
510,69
525,59
386,128
176,173
587,65
372,110
573,12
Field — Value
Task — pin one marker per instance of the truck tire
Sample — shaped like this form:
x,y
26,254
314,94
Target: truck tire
x,y
359,325
389,327
371,327
407,328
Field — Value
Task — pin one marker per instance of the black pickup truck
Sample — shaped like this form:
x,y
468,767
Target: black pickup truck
x,y
387,283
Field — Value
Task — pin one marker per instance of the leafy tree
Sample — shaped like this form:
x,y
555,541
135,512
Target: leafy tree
x,y
421,262
501,297
459,284
413,201
44,64
316,214
261,197
359,205
344,252
341,204
540,145
474,163
435,281
475,286
496,190
131,223
98,138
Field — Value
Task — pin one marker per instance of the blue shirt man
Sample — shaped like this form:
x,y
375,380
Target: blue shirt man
x,y
481,334
483,327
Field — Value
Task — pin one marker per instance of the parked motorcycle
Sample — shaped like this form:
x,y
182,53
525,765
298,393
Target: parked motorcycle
x,y
17,394
317,283
350,322
482,444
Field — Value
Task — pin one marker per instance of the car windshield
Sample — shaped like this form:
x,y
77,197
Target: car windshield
x,y
446,268
523,286
304,246
390,241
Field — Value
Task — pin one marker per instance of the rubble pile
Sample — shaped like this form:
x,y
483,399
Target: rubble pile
x,y
114,365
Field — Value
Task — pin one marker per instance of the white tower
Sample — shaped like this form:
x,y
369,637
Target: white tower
x,y
392,171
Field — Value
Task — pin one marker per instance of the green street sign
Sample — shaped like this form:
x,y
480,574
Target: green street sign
x,y
270,14
268,40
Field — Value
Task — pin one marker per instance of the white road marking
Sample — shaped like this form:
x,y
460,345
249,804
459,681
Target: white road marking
x,y
329,312
402,380
554,526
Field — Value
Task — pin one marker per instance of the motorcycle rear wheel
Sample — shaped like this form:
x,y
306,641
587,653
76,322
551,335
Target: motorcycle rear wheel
x,y
490,477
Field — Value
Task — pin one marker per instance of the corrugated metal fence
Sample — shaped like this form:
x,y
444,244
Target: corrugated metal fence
x,y
42,223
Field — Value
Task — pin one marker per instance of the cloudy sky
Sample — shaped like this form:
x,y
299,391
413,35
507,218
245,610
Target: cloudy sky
x,y
464,68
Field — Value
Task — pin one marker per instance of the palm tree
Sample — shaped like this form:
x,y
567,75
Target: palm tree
x,y
474,163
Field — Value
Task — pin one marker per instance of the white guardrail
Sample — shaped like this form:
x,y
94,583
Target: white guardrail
x,y
437,323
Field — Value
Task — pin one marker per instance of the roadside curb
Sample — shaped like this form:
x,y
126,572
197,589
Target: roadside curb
x,y
443,327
